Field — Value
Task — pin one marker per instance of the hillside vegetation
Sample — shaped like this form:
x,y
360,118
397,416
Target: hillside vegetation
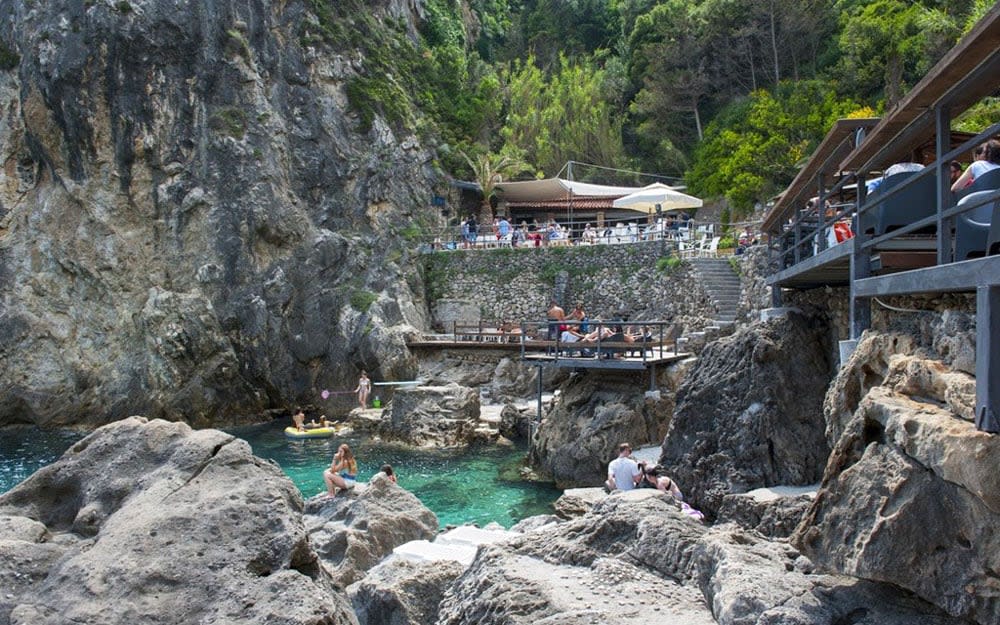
x,y
728,94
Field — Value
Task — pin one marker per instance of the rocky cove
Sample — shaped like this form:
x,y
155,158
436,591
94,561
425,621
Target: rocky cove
x,y
197,226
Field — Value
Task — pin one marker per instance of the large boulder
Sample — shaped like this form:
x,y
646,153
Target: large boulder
x,y
401,592
910,366
432,416
637,559
595,412
353,532
152,522
515,424
771,512
748,413
911,496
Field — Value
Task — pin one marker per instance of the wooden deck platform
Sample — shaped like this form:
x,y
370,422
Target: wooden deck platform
x,y
632,363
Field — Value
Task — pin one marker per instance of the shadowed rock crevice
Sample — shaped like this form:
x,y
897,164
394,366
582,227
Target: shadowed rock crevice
x,y
749,413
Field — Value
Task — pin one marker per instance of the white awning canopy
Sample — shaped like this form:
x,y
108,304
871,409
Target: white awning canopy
x,y
557,189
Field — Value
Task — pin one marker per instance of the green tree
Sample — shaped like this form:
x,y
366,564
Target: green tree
x,y
564,116
887,45
489,169
753,148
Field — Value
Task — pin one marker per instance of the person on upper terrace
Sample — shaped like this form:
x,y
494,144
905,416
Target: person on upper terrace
x,y
988,158
896,168
955,171
589,235
553,232
473,230
503,228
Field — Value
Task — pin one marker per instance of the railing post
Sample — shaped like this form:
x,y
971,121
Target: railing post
x,y
820,214
861,267
797,236
988,358
942,118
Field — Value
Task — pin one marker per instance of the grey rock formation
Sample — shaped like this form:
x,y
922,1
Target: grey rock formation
x,y
911,496
515,424
748,414
432,416
575,502
596,412
152,522
400,592
352,533
636,559
908,366
194,223
774,513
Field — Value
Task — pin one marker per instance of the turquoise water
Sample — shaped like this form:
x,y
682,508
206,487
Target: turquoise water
x,y
471,486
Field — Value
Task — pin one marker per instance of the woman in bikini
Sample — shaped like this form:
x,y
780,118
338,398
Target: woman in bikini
x,y
363,389
343,471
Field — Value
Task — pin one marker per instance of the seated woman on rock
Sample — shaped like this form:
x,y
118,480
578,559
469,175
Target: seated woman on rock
x,y
343,471
389,473
652,478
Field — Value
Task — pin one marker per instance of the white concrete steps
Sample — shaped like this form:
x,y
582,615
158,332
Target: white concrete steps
x,y
459,544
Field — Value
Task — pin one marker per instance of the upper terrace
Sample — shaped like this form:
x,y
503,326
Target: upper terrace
x,y
911,235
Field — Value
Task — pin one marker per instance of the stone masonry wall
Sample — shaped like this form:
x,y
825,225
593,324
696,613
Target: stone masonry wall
x,y
612,281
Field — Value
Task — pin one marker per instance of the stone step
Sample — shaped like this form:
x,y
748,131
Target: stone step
x,y
426,551
472,536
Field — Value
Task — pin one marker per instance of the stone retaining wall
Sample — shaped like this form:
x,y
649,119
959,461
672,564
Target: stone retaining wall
x,y
611,281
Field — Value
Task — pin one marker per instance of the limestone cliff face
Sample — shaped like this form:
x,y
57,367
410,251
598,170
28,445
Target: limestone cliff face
x,y
191,222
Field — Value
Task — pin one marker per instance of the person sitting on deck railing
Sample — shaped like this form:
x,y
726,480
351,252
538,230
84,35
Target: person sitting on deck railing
x,y
988,158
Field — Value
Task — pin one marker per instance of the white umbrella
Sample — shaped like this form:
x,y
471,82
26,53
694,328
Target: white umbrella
x,y
648,197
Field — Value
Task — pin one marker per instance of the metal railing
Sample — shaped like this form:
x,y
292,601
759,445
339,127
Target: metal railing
x,y
609,339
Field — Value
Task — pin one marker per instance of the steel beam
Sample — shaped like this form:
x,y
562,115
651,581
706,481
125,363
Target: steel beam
x,y
966,276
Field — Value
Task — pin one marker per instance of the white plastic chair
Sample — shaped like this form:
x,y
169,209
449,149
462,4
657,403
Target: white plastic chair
x,y
711,249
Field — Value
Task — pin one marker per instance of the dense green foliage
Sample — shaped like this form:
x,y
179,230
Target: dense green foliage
x,y
729,94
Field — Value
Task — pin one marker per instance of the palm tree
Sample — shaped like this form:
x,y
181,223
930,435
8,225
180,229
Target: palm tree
x,y
488,170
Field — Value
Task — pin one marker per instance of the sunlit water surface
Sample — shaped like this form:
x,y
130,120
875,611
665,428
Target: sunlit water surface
x,y
477,485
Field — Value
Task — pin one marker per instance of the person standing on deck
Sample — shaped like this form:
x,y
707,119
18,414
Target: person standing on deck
x,y
556,315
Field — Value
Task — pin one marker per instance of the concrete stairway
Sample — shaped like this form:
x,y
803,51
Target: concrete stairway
x,y
723,286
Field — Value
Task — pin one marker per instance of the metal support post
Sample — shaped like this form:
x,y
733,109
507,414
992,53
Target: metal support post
x,y
861,267
942,118
988,358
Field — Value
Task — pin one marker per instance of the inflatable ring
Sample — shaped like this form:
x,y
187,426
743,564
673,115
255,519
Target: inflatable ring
x,y
291,432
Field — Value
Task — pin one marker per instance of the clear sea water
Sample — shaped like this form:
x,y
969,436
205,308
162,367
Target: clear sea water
x,y
471,486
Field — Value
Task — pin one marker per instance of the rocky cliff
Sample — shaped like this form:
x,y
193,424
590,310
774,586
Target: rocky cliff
x,y
193,219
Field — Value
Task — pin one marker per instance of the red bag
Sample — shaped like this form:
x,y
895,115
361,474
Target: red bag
x,y
842,230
